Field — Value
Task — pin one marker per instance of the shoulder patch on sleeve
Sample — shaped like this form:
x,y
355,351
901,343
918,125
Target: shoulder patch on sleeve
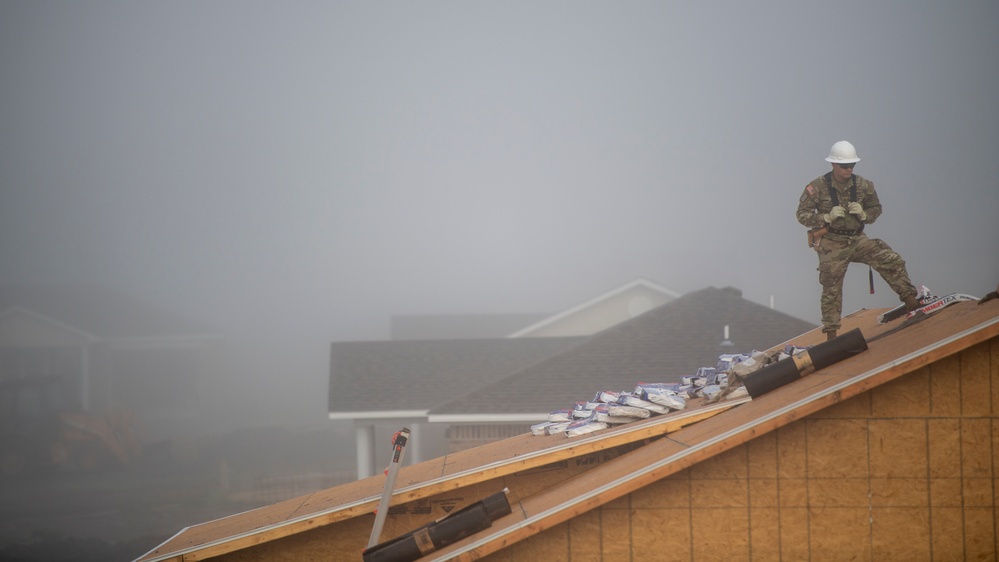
x,y
810,189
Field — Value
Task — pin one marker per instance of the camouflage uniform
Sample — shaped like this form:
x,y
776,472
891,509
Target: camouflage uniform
x,y
845,242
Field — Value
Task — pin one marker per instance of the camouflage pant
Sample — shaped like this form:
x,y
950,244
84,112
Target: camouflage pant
x,y
835,255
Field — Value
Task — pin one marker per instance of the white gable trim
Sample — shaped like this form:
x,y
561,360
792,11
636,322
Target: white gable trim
x,y
640,282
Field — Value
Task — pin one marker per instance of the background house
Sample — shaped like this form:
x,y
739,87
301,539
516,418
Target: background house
x,y
661,345
87,348
460,393
446,370
384,386
602,311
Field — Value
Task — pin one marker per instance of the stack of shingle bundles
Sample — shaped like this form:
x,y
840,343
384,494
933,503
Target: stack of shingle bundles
x,y
609,408
549,428
615,413
582,427
708,383
605,415
607,396
691,383
726,380
626,405
563,415
635,399
727,361
790,350
734,386
605,411
663,394
582,410
756,361
557,422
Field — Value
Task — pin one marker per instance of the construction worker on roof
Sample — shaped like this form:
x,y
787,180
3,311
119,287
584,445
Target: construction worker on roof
x,y
836,207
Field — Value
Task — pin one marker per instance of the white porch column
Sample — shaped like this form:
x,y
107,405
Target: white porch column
x,y
364,438
413,455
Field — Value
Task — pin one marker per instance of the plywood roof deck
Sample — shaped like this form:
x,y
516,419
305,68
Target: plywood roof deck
x,y
944,333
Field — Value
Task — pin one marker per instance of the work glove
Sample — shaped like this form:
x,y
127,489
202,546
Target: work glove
x,y
858,209
836,212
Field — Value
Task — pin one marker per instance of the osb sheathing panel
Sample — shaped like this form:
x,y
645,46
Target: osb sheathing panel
x,y
902,472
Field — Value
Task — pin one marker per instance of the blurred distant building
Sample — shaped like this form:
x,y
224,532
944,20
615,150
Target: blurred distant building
x,y
607,309
458,393
91,349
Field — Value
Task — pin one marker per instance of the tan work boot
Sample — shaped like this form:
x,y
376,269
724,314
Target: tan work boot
x,y
911,303
830,335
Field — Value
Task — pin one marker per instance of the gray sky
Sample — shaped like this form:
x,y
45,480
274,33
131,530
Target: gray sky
x,y
296,172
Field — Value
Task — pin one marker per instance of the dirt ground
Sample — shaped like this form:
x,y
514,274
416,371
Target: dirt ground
x,y
121,513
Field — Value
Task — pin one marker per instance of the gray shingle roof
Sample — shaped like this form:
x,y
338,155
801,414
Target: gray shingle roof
x,y
661,345
387,376
459,326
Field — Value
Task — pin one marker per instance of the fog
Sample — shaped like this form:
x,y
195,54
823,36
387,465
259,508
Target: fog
x,y
296,173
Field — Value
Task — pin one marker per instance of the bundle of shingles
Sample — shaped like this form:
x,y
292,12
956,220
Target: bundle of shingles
x,y
607,408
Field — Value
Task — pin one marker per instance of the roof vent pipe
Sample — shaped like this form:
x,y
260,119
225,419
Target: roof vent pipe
x,y
725,341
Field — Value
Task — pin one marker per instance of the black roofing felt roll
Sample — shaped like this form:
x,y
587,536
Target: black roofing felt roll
x,y
440,533
805,362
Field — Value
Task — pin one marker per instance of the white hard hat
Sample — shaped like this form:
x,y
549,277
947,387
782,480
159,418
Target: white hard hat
x,y
842,153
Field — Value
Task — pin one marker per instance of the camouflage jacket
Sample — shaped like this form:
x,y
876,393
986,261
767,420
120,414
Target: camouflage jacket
x,y
815,201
